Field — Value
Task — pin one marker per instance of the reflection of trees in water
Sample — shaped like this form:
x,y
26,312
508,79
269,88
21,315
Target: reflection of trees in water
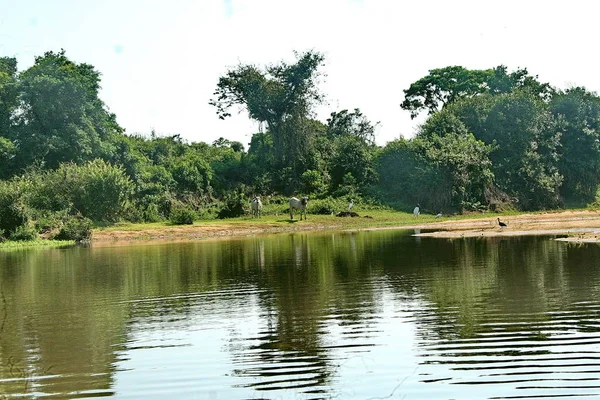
x,y
314,283
465,285
316,294
56,337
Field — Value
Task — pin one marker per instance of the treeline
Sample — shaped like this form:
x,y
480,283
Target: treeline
x,y
495,139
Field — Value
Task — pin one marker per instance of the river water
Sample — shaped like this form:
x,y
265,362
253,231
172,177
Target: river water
x,y
362,315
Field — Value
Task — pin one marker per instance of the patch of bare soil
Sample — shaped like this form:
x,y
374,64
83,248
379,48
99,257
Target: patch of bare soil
x,y
578,225
197,232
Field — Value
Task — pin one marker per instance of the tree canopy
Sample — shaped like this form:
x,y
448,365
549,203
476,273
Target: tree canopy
x,y
493,139
443,86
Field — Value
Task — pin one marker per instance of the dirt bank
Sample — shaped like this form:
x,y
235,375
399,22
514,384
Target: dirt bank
x,y
579,225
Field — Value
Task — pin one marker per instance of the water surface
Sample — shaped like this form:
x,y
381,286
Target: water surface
x,y
362,315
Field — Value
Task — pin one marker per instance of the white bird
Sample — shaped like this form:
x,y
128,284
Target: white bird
x,y
439,215
416,211
350,205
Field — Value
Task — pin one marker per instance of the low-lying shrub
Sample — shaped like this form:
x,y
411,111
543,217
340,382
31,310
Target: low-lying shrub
x,y
75,228
182,215
26,232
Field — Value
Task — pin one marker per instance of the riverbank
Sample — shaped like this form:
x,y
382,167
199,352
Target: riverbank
x,y
580,225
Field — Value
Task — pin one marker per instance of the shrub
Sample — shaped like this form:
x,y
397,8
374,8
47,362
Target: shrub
x,y
24,233
326,206
233,206
182,215
97,190
312,181
76,228
13,212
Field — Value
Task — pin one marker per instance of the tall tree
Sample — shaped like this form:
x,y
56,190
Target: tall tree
x,y
345,123
525,142
443,86
282,96
9,89
351,145
62,119
578,115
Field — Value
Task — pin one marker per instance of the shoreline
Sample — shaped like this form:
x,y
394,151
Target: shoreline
x,y
579,226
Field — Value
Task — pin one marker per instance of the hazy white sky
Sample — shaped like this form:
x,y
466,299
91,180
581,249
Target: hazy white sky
x,y
160,60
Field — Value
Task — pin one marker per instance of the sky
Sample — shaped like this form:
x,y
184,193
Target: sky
x,y
161,60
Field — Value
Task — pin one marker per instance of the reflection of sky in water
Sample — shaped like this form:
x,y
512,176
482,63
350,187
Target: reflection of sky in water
x,y
226,348
344,315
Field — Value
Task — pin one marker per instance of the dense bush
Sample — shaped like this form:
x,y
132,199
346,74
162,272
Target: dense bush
x,y
234,205
24,232
76,228
13,211
182,215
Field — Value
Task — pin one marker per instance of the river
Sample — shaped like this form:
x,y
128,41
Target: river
x,y
344,315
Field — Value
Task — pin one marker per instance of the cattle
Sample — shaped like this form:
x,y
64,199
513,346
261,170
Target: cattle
x,y
256,206
300,205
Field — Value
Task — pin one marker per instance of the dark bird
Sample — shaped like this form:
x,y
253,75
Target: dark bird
x,y
502,224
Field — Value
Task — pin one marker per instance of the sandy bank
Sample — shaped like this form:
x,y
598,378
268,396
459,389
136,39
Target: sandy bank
x,y
579,225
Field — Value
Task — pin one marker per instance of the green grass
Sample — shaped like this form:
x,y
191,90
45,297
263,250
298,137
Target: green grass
x,y
380,218
17,245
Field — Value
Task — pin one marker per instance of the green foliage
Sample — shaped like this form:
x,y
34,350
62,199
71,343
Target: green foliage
x,y
312,182
62,119
25,232
234,205
97,190
344,123
352,156
182,215
443,86
460,158
577,112
13,210
282,97
327,206
75,228
348,186
525,156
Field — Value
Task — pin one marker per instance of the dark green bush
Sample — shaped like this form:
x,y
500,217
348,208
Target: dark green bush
x,y
76,228
233,206
13,212
182,215
24,233
326,206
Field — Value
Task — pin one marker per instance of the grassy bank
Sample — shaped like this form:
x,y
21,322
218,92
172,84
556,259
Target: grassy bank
x,y
16,245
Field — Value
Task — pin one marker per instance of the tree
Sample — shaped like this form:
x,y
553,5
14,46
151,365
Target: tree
x,y
578,115
344,123
9,90
61,117
282,97
444,167
351,155
463,160
443,86
525,141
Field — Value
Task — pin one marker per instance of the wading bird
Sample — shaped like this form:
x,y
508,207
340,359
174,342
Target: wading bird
x,y
502,224
416,211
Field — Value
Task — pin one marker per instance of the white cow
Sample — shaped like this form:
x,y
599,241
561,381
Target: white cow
x,y
256,206
296,204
